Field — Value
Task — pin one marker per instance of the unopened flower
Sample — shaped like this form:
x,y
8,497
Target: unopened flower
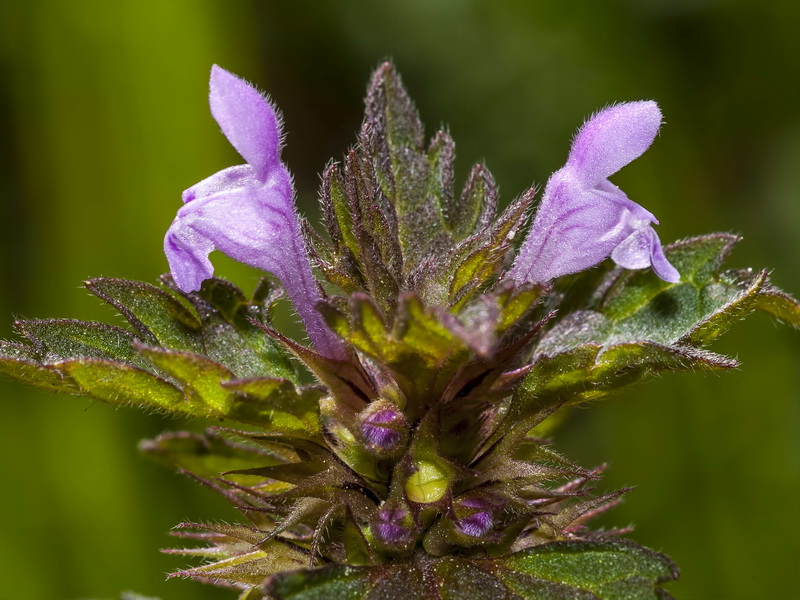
x,y
393,525
475,516
583,217
247,211
384,428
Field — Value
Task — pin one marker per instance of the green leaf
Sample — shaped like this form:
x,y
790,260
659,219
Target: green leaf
x,y
103,362
411,181
60,339
340,582
777,303
392,216
589,372
64,354
22,363
251,567
200,376
216,322
253,593
377,249
357,549
441,156
118,383
419,350
705,304
231,336
477,205
336,209
606,570
482,256
208,455
157,316
639,325
276,405
346,379
340,261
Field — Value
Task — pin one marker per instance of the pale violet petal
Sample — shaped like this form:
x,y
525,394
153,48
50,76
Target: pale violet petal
x,y
634,251
248,211
227,179
247,119
612,138
584,218
661,266
244,223
617,195
187,254
574,230
642,249
257,226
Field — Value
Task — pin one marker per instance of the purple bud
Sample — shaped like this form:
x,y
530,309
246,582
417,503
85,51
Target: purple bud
x,y
478,516
477,524
383,426
393,525
583,218
248,211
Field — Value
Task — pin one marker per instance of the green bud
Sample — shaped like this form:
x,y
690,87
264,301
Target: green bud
x,y
427,484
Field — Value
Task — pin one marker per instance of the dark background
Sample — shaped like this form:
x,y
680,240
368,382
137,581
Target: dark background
x,y
104,121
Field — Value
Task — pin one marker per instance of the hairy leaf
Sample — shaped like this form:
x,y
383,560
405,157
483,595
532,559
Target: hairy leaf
x,y
638,324
562,570
155,315
118,383
21,362
394,135
208,455
60,339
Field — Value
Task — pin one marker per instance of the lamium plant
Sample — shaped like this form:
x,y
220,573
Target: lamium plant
x,y
399,451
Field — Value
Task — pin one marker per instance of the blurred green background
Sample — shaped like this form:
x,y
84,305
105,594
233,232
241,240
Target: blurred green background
x,y
104,121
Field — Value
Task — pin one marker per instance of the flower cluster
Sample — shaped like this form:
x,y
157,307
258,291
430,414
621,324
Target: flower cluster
x,y
248,211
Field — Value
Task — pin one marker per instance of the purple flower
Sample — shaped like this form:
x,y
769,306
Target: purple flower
x,y
583,218
247,211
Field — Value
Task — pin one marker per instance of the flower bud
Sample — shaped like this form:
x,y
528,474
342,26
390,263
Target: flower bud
x,y
393,526
475,516
384,428
428,484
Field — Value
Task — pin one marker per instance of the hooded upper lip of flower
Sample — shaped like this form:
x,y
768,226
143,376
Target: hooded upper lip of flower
x,y
583,218
247,211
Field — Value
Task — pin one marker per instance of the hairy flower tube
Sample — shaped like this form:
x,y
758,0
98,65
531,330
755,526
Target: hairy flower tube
x,y
247,211
583,217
